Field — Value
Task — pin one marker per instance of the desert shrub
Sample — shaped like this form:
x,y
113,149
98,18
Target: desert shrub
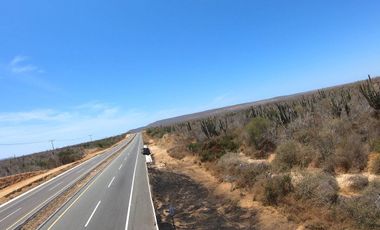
x,y
374,163
194,147
248,174
258,130
276,189
376,146
321,188
290,154
177,152
228,143
353,182
341,163
228,162
325,143
159,132
228,165
304,135
244,174
211,151
270,190
364,209
215,148
42,163
351,154
315,225
69,155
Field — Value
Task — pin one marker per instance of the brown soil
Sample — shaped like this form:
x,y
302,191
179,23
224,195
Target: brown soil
x,y
10,180
200,199
195,207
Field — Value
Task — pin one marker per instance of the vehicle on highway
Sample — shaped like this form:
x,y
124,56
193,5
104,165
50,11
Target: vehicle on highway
x,y
146,151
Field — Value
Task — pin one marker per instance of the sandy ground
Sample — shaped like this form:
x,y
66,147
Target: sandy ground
x,y
189,169
28,183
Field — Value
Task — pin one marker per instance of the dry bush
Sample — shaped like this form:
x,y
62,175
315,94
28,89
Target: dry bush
x,y
70,155
228,162
271,190
363,209
374,163
158,132
376,145
291,154
244,174
320,188
315,225
305,135
351,155
215,148
325,143
353,182
178,152
259,134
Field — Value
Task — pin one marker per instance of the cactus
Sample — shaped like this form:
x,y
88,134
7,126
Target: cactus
x,y
223,125
371,92
188,125
340,102
286,114
322,94
208,127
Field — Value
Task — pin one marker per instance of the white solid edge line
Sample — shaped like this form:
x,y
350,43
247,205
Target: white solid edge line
x,y
109,185
151,199
133,182
56,177
92,214
10,214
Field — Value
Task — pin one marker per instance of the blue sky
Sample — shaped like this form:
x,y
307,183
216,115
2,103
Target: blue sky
x,y
69,69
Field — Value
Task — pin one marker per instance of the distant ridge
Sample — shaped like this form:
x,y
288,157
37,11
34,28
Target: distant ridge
x,y
237,107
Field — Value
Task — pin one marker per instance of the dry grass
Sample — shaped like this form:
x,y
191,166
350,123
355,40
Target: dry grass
x,y
374,163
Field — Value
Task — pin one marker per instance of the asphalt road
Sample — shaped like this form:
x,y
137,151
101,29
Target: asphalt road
x,y
118,198
19,209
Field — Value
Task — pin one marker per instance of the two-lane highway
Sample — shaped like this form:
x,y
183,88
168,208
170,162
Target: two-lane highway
x,y
18,210
118,198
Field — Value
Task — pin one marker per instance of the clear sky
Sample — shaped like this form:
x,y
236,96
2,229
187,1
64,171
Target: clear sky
x,y
70,68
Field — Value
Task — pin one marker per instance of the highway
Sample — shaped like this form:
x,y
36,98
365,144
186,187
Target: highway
x,y
102,204
118,198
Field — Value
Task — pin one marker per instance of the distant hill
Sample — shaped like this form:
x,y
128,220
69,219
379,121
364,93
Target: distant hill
x,y
218,111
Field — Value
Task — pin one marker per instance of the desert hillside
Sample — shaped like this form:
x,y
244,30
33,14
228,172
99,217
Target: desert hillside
x,y
314,158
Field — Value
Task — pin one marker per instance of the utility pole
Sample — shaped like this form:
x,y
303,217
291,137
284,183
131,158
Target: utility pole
x,y
52,143
90,137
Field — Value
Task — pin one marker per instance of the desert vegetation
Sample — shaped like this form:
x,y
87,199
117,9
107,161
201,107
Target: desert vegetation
x,y
51,159
289,153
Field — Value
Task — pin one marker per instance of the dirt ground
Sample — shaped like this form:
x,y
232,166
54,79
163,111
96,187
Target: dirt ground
x,y
200,200
195,207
